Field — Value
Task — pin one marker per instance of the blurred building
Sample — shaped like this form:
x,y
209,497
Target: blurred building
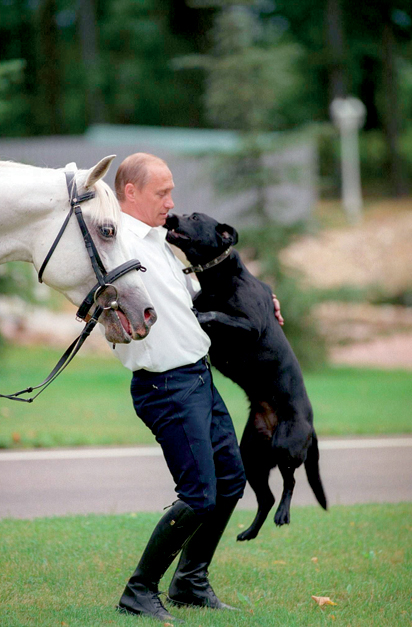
x,y
193,156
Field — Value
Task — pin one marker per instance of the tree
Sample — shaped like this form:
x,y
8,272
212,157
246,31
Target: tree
x,y
12,103
252,75
356,52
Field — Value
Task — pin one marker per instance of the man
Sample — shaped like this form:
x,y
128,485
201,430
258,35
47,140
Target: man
x,y
174,395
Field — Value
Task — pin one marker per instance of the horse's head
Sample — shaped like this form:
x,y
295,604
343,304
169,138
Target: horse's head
x,y
69,269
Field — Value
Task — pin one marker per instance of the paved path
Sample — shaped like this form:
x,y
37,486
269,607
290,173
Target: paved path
x,y
116,480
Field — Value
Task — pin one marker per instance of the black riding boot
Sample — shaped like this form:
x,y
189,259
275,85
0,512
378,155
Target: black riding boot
x,y
190,584
141,595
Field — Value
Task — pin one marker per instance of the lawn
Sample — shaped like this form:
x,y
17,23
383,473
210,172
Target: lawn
x,y
89,404
71,571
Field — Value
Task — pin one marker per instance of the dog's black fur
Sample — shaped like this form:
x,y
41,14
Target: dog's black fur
x,y
249,347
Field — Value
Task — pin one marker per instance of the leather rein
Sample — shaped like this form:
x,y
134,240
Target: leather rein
x,y
104,281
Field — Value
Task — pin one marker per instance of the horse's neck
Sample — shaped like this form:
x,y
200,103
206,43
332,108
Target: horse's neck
x,y
27,201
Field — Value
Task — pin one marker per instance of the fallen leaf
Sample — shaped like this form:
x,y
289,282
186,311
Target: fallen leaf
x,y
16,437
240,526
314,560
279,562
321,601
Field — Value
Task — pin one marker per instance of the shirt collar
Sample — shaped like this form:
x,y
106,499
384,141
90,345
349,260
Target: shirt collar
x,y
141,229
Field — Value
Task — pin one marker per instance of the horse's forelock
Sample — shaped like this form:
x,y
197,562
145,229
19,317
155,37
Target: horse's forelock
x,y
106,207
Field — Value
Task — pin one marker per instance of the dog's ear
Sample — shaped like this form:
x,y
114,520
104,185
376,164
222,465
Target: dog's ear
x,y
228,233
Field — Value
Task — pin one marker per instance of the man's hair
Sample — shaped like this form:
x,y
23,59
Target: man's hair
x,y
134,169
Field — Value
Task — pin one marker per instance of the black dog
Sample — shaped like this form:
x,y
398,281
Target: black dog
x,y
249,347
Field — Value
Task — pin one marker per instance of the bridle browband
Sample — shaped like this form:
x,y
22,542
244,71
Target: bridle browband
x,y
209,264
104,281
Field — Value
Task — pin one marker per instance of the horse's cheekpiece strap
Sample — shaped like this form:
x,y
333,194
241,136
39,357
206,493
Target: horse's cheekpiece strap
x,y
209,264
74,201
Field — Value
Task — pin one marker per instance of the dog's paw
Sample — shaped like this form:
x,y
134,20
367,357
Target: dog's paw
x,y
282,517
249,534
206,317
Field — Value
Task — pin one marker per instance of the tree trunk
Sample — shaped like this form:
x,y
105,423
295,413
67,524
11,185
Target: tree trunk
x,y
88,34
335,38
391,120
49,78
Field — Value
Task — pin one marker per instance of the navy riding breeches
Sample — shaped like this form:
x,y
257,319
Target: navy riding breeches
x,y
190,421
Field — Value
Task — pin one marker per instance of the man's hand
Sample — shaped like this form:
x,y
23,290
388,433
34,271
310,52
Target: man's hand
x,y
278,315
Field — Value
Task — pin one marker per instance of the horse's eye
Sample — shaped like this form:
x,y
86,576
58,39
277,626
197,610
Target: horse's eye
x,y
107,230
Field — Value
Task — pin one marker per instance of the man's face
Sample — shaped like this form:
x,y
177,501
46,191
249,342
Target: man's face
x,y
154,201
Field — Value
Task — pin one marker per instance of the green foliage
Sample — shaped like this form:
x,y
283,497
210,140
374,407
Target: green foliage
x,y
72,570
13,105
253,73
139,84
251,79
15,279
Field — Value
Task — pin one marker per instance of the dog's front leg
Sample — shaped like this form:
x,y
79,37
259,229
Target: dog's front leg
x,y
218,317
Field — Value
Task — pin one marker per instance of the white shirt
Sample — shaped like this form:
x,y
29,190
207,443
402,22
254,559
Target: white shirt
x,y
176,338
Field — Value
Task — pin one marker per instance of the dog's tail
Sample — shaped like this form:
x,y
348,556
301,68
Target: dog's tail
x,y
312,472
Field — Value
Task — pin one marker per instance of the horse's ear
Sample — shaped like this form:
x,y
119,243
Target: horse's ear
x,y
228,233
98,172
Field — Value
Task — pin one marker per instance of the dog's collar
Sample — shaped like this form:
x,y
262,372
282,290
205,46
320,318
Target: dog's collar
x,y
209,264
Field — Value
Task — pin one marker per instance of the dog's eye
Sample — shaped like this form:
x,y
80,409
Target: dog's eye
x,y
108,231
195,217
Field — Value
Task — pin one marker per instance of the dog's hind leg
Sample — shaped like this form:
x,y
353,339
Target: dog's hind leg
x,y
259,482
257,456
282,516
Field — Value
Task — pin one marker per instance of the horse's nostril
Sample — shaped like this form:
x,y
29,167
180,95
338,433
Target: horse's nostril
x,y
150,315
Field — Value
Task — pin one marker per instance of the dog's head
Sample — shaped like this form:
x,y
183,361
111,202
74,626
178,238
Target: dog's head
x,y
199,236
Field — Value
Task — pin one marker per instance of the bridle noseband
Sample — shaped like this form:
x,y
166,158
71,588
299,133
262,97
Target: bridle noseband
x,y
104,281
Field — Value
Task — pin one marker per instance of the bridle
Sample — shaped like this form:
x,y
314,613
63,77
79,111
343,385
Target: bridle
x,y
104,278
104,281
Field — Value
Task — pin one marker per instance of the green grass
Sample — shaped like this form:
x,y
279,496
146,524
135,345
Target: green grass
x,y
90,404
71,571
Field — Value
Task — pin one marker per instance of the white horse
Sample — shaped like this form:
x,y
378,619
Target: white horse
x,y
33,205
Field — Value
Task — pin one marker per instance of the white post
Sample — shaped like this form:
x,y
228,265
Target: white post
x,y
349,116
